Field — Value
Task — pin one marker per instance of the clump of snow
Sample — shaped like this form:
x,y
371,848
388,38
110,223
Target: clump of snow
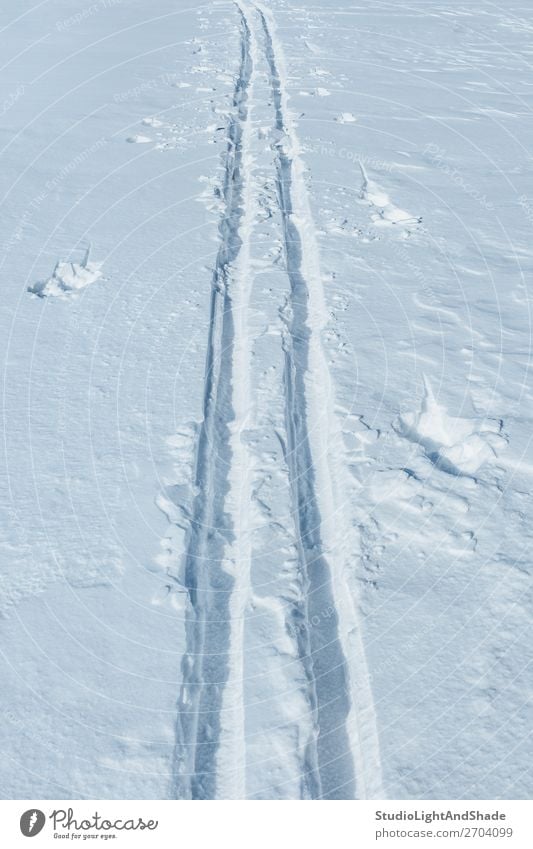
x,y
456,445
138,139
323,92
68,278
387,213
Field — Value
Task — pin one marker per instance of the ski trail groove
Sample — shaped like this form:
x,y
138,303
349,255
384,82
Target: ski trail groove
x,y
208,760
342,760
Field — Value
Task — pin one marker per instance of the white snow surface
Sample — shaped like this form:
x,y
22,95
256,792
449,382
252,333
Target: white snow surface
x,y
266,514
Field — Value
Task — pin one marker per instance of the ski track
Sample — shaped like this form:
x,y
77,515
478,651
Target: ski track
x,y
342,756
209,732
345,762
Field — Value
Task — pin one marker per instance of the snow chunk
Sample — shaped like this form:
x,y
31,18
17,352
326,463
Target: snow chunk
x,y
387,213
453,444
346,118
68,278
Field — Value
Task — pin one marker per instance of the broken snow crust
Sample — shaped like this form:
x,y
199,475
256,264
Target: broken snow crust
x,y
267,446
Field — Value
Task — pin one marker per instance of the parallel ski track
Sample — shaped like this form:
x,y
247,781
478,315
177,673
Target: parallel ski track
x,y
212,531
342,756
329,762
343,759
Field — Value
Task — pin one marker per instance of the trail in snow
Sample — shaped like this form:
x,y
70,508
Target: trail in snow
x,y
330,769
341,758
344,759
209,730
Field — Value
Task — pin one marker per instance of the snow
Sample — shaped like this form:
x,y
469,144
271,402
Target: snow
x,y
139,139
267,449
346,118
68,277
387,213
456,445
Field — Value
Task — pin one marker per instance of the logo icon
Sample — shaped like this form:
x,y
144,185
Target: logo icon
x,y
32,822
